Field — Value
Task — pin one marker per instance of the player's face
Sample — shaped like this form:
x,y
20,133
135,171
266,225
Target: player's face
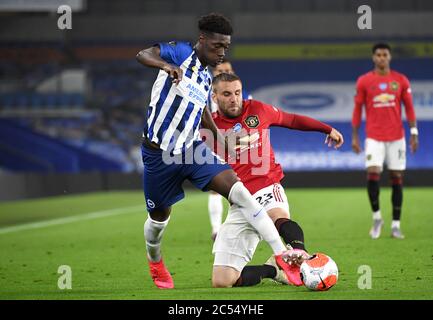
x,y
382,58
228,97
215,47
225,67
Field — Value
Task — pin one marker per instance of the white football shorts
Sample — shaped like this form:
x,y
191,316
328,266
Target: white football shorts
x,y
237,240
393,153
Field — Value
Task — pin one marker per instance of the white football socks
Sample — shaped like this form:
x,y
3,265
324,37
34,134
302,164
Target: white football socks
x,y
395,224
215,207
257,216
153,231
377,215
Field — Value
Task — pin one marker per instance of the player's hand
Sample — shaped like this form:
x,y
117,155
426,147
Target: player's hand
x,y
334,138
413,143
356,147
174,72
230,149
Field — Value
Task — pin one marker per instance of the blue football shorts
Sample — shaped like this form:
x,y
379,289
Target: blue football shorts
x,y
162,181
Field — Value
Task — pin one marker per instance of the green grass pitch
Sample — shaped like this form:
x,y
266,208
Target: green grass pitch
x,y
106,252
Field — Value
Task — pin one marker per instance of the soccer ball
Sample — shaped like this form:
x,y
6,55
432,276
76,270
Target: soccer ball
x,y
319,273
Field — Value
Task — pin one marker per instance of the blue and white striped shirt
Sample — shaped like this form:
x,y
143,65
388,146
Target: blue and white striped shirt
x,y
174,114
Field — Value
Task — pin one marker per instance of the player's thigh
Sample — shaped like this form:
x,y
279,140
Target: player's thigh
x,y
162,183
274,200
210,172
278,213
236,241
396,155
374,153
223,276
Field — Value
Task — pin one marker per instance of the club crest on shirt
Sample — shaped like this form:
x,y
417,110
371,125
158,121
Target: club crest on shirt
x,y
252,121
383,86
394,85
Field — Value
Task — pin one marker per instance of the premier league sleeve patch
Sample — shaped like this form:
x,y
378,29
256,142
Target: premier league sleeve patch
x,y
252,121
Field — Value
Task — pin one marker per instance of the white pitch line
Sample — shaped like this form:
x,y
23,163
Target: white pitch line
x,y
81,217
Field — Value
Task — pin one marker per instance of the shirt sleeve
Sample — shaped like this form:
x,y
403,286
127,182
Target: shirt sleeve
x,y
295,121
174,52
406,97
359,102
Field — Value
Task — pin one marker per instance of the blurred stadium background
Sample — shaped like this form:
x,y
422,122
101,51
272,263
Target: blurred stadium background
x,y
72,101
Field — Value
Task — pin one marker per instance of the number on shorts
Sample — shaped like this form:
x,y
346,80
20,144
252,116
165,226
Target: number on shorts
x,y
265,199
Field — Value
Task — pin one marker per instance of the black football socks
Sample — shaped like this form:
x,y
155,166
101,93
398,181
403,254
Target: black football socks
x,y
397,197
291,233
252,275
373,190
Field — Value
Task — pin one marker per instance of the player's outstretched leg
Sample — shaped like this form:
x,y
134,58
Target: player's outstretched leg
x,y
228,185
293,236
373,177
215,208
153,231
397,201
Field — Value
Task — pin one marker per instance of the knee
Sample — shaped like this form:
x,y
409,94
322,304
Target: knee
x,y
396,174
278,213
160,214
218,283
239,194
224,277
222,282
396,177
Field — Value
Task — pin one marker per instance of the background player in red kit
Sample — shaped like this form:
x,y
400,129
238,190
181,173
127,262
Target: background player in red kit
x,y
382,91
255,165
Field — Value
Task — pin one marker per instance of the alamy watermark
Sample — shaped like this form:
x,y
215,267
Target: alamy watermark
x,y
365,280
242,147
65,20
65,280
365,21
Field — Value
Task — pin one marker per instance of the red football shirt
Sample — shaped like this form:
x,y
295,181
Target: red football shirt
x,y
255,163
382,96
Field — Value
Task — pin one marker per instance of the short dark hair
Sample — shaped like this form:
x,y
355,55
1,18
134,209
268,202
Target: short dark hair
x,y
228,77
215,23
381,45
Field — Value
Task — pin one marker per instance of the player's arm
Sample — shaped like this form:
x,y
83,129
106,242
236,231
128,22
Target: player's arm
x,y
150,57
357,115
410,114
208,123
304,123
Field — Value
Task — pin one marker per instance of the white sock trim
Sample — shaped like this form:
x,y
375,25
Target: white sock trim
x,y
395,224
377,215
165,222
236,185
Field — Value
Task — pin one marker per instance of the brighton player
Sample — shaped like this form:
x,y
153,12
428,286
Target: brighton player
x,y
215,204
176,110
255,165
382,91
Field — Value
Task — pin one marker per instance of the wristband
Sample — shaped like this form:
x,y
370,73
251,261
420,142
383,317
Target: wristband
x,y
414,131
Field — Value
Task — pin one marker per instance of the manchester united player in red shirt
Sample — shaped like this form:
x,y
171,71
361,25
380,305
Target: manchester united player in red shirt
x,y
381,91
236,241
